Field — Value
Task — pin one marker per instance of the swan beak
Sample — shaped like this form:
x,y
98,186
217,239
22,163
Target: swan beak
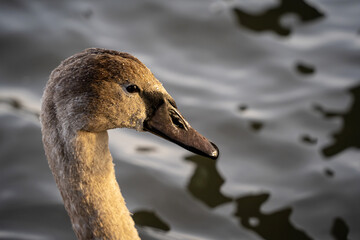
x,y
167,122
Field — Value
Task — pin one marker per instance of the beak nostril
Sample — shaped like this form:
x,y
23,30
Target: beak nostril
x,y
177,121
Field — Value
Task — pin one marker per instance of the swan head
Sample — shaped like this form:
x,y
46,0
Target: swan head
x,y
100,89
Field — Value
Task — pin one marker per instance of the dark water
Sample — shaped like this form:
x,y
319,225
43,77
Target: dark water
x,y
275,84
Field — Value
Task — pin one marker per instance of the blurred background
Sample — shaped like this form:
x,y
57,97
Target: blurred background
x,y
274,83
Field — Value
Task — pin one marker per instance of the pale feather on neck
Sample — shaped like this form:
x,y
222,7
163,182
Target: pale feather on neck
x,y
92,196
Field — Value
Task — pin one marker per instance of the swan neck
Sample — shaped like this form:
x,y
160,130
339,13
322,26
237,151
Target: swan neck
x,y
91,194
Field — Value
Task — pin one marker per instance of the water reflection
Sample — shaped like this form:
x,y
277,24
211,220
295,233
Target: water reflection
x,y
270,19
256,125
349,134
206,181
243,107
340,230
147,218
329,172
305,68
205,185
272,226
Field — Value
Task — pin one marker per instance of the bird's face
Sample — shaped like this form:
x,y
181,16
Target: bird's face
x,y
122,92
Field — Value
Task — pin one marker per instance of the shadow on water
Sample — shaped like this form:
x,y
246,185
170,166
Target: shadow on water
x,y
308,139
270,19
340,230
329,172
145,149
349,135
304,68
255,125
206,181
147,218
243,107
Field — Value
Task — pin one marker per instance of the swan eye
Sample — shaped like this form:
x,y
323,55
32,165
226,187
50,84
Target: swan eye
x,y
132,88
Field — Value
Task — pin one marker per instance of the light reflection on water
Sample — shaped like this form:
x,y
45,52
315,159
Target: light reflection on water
x,y
279,98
